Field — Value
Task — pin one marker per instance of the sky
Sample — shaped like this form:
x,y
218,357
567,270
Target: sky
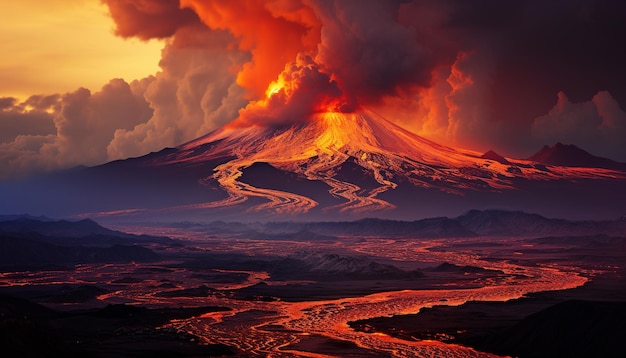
x,y
84,82
58,46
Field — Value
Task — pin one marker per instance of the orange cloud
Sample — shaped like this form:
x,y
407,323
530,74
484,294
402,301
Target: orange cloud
x,y
147,19
300,90
274,32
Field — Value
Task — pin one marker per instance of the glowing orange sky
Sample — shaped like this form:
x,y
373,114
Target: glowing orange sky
x,y
56,46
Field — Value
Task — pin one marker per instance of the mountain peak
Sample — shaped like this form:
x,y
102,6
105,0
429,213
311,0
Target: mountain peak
x,y
492,155
570,155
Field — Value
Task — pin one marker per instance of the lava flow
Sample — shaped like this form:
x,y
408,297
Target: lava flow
x,y
274,328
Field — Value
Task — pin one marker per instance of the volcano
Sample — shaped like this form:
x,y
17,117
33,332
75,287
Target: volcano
x,y
333,164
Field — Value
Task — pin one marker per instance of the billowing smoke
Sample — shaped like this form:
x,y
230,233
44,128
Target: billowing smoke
x,y
83,123
301,89
482,74
195,93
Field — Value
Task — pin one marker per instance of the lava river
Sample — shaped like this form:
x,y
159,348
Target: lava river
x,y
248,326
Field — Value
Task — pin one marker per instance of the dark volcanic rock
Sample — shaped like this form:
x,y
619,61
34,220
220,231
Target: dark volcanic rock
x,y
572,328
31,330
568,329
18,252
75,294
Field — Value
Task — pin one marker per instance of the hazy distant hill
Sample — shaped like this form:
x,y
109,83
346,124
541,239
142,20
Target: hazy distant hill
x,y
473,223
573,156
28,243
491,155
435,227
24,253
62,232
343,267
516,223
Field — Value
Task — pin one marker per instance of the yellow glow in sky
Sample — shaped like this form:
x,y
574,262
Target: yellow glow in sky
x,y
57,46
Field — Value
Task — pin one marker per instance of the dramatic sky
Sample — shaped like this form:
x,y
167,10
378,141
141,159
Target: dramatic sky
x,y
88,81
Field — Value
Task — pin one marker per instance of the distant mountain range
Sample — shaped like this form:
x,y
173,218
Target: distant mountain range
x,y
471,224
29,243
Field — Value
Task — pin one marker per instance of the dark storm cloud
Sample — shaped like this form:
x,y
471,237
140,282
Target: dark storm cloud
x,y
517,56
369,51
544,47
147,19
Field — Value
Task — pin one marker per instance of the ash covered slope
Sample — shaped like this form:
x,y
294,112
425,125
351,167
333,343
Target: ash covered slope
x,y
349,164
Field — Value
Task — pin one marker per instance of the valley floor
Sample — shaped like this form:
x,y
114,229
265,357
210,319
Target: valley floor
x,y
325,296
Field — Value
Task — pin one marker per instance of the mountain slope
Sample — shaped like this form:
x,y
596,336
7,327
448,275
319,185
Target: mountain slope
x,y
332,165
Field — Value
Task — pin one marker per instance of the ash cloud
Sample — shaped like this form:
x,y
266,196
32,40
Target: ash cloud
x,y
195,93
302,90
521,54
369,52
83,123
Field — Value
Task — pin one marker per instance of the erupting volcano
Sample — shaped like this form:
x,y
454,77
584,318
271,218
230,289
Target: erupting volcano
x,y
308,145
300,111
324,146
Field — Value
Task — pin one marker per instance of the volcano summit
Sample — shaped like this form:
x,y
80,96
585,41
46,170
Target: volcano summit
x,y
349,164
